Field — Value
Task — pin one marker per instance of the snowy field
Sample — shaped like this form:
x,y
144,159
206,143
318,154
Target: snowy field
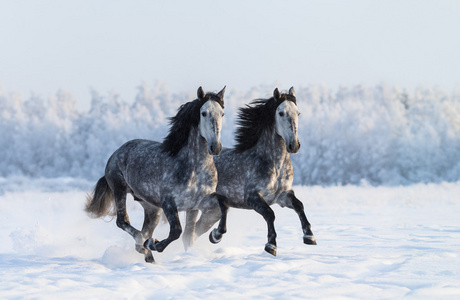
x,y
373,243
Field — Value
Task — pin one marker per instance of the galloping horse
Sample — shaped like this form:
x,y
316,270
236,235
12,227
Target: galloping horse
x,y
178,174
258,171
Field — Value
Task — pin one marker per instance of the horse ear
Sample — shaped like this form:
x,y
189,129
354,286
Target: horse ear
x,y
221,93
276,94
291,91
200,93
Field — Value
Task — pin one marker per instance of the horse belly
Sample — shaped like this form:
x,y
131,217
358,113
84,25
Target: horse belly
x,y
187,199
146,191
233,192
190,195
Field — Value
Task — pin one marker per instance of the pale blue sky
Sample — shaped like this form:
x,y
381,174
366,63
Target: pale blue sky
x,y
113,44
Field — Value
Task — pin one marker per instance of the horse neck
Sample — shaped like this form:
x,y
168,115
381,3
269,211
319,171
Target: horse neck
x,y
196,148
271,145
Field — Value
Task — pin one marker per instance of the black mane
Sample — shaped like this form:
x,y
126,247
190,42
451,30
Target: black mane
x,y
254,118
188,116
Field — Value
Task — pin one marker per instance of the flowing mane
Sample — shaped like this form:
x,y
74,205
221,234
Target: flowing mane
x,y
188,116
256,117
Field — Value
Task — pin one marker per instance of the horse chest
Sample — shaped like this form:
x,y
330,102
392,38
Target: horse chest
x,y
279,180
201,179
275,173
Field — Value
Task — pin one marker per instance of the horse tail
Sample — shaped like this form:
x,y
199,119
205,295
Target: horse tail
x,y
101,202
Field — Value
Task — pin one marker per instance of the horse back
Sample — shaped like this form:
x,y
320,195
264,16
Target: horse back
x,y
147,172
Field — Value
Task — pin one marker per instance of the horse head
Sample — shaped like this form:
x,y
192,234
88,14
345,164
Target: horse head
x,y
286,119
211,113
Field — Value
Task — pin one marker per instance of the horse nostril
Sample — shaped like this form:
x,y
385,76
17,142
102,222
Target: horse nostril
x,y
290,147
212,148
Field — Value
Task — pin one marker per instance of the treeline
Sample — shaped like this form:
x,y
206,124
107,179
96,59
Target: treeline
x,y
380,134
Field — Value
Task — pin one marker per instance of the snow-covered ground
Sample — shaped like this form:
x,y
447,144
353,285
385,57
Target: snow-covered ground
x,y
373,243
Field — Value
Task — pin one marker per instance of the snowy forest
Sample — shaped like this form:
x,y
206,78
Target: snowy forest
x,y
381,135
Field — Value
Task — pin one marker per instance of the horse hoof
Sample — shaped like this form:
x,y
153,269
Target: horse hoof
x,y
309,239
270,248
213,236
151,244
149,258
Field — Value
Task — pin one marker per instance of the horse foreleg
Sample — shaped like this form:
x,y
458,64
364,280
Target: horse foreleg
x,y
188,237
170,210
216,235
256,202
211,215
207,219
297,205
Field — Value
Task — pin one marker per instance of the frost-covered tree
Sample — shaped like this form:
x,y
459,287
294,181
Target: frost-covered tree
x,y
380,134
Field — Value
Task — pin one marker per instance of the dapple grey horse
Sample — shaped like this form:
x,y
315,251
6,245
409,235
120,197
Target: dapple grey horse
x,y
178,174
258,172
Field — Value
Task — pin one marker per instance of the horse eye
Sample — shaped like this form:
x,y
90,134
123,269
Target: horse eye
x,y
281,114
203,114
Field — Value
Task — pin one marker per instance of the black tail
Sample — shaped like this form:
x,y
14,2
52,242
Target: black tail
x,y
101,202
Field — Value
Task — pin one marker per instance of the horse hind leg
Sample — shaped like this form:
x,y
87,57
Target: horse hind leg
x,y
297,205
151,220
119,192
122,215
170,210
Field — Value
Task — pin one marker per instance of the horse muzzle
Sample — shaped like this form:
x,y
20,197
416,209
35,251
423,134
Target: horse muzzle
x,y
215,148
293,146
